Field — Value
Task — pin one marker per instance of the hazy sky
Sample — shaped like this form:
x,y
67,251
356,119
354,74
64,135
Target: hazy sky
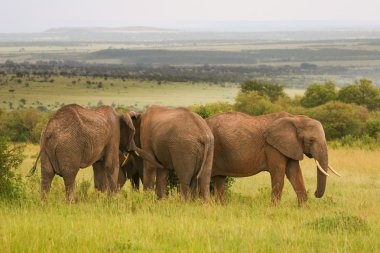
x,y
39,15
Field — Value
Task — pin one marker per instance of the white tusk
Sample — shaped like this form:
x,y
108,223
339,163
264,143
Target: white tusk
x,y
320,168
137,153
125,159
334,171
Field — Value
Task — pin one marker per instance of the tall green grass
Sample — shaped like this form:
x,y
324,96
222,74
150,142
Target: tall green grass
x,y
346,219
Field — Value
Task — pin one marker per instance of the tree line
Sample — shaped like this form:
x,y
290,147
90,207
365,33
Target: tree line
x,y
217,74
347,114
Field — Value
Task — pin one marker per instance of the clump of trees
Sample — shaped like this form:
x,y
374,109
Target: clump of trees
x,y
349,115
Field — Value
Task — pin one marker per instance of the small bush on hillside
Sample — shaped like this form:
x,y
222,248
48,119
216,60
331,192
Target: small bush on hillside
x,y
319,94
362,92
254,104
209,110
19,124
340,119
10,159
372,127
267,88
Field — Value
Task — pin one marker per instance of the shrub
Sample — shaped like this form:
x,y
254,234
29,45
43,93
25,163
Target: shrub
x,y
10,159
319,94
362,92
267,88
209,110
372,127
19,124
340,119
254,104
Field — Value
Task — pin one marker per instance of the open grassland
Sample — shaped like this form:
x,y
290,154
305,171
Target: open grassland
x,y
93,91
346,219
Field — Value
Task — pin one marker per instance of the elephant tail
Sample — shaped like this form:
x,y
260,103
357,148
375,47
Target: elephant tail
x,y
194,180
34,168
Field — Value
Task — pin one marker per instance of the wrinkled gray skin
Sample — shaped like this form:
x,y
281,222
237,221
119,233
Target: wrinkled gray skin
x,y
132,170
246,145
181,141
76,137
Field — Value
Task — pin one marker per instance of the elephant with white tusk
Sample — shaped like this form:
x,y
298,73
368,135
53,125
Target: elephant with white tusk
x,y
246,145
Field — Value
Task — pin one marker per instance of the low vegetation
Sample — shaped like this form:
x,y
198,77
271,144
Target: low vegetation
x,y
346,219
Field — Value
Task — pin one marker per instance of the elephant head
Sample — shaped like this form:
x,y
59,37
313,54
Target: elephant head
x,y
298,135
130,137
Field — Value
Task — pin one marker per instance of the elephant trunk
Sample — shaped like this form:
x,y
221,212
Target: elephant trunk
x,y
322,158
145,155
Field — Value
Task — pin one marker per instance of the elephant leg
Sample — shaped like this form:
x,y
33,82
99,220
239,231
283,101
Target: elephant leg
x,y
149,172
294,175
47,175
100,180
162,183
185,190
204,185
219,186
111,167
277,178
136,181
69,180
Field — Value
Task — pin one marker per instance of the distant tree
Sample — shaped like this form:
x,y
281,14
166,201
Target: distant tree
x,y
319,94
306,65
362,92
267,88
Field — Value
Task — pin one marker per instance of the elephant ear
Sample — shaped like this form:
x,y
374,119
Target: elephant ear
x,y
282,134
127,132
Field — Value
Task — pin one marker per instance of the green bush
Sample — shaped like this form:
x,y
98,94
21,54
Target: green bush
x,y
319,94
267,88
372,127
10,159
362,92
211,109
18,125
254,104
340,119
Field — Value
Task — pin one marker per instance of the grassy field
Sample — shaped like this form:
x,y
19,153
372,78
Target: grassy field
x,y
346,219
138,94
129,93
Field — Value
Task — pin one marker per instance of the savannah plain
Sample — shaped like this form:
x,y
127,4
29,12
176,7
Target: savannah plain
x,y
346,219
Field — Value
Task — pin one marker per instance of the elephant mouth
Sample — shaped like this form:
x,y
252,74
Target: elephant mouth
x,y
309,155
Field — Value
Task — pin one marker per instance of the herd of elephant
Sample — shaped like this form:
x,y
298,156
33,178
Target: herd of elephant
x,y
147,145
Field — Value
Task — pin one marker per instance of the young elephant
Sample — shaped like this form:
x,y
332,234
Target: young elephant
x,y
246,145
76,137
181,141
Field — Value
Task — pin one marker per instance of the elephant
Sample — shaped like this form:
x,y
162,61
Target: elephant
x,y
180,140
246,145
131,167
76,137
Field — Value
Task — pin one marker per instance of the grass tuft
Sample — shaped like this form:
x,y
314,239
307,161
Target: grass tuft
x,y
340,222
